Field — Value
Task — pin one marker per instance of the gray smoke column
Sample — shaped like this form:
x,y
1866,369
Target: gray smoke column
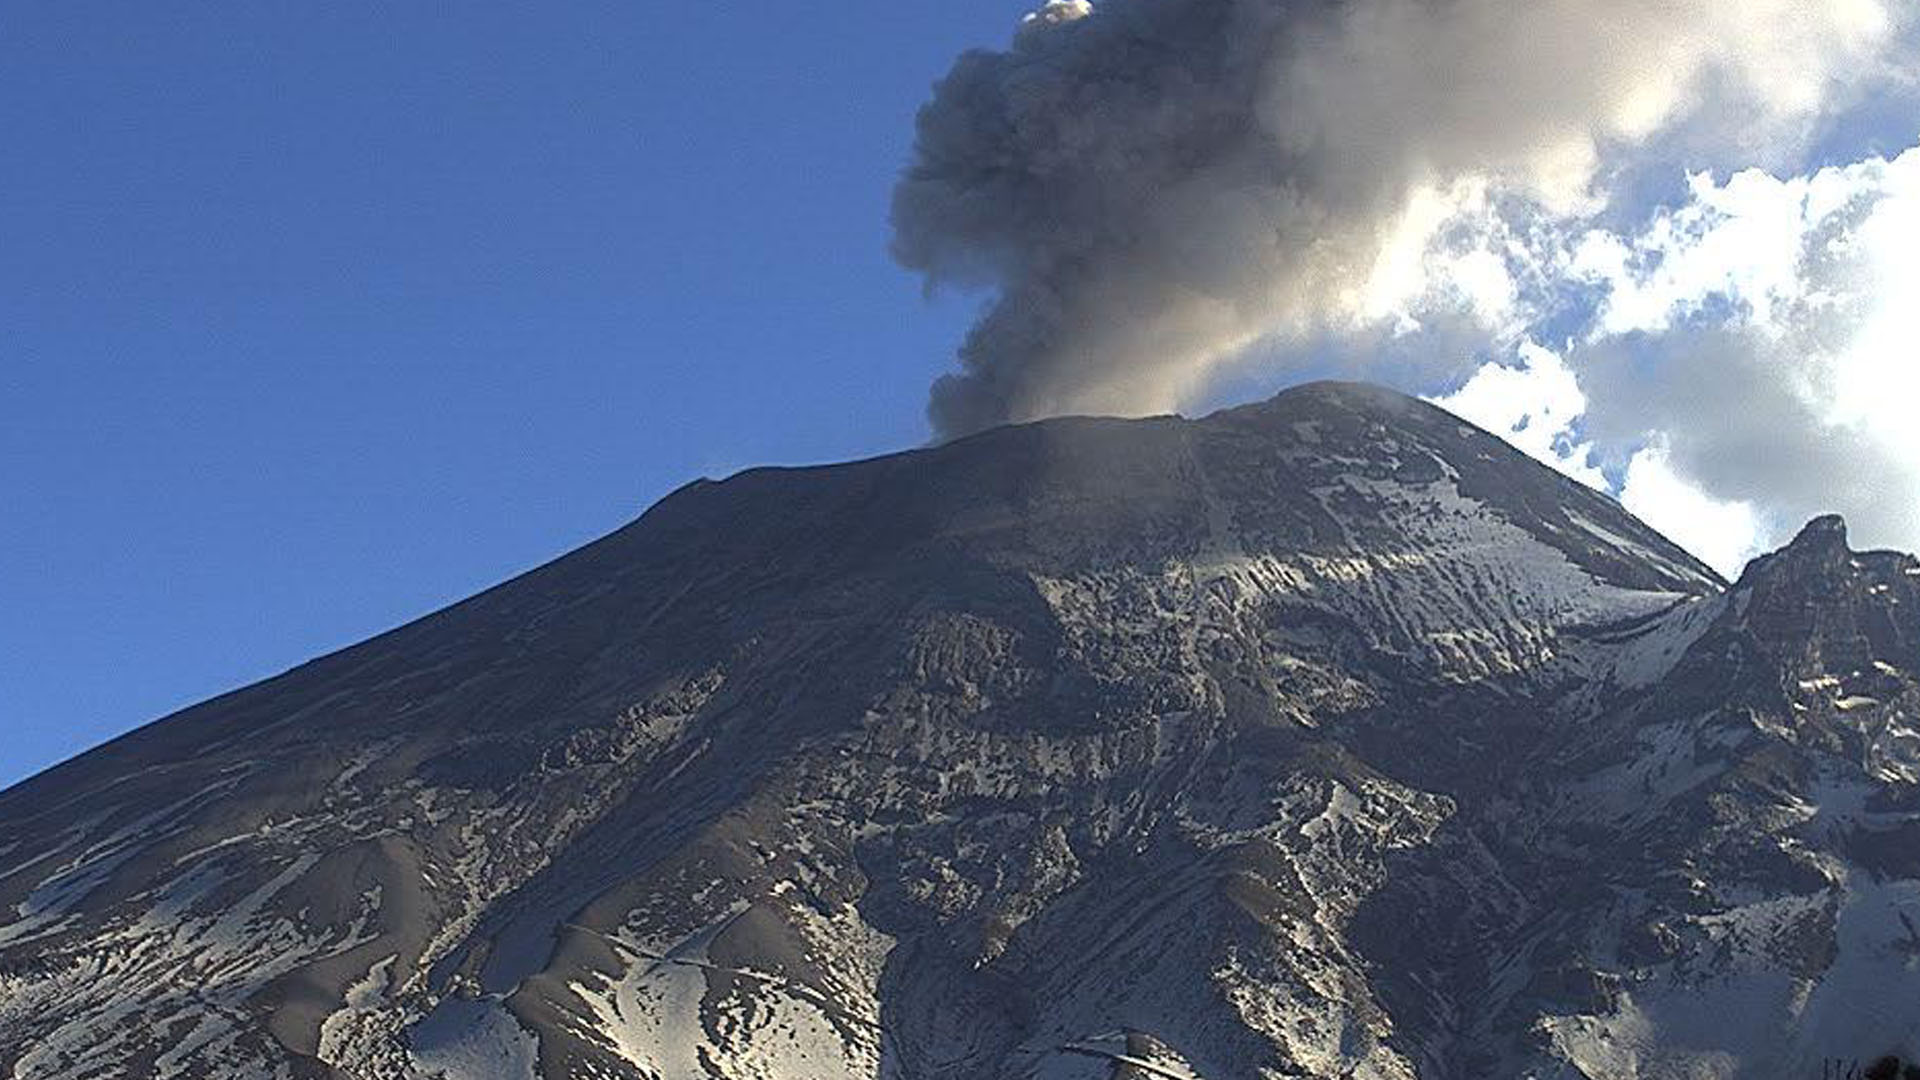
x,y
1150,186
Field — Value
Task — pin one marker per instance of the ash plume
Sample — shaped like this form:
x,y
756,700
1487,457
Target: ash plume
x,y
1148,187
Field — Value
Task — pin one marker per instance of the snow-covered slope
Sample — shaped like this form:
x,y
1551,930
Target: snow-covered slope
x,y
1328,737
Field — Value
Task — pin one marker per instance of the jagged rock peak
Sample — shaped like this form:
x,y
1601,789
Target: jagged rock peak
x,y
1828,606
1824,535
1819,549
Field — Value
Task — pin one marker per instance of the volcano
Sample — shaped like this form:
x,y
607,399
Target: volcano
x,y
1329,736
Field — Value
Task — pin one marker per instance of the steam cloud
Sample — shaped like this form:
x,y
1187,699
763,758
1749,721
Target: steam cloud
x,y
1149,187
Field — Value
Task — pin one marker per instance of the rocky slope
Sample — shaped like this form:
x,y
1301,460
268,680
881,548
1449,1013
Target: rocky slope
x,y
1324,737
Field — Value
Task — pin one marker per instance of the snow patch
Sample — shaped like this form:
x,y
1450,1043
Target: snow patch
x,y
475,1039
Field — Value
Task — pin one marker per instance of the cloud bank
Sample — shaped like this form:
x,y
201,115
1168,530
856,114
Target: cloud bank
x,y
1149,191
1149,186
1753,360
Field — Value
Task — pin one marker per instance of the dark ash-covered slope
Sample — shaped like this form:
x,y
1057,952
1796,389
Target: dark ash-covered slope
x,y
1328,736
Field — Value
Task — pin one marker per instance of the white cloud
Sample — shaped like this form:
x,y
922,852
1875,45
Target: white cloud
x,y
1766,245
1457,251
1723,534
1532,405
1741,241
1876,372
1055,12
1750,359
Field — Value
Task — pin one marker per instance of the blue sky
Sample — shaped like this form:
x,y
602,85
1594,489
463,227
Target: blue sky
x,y
314,318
